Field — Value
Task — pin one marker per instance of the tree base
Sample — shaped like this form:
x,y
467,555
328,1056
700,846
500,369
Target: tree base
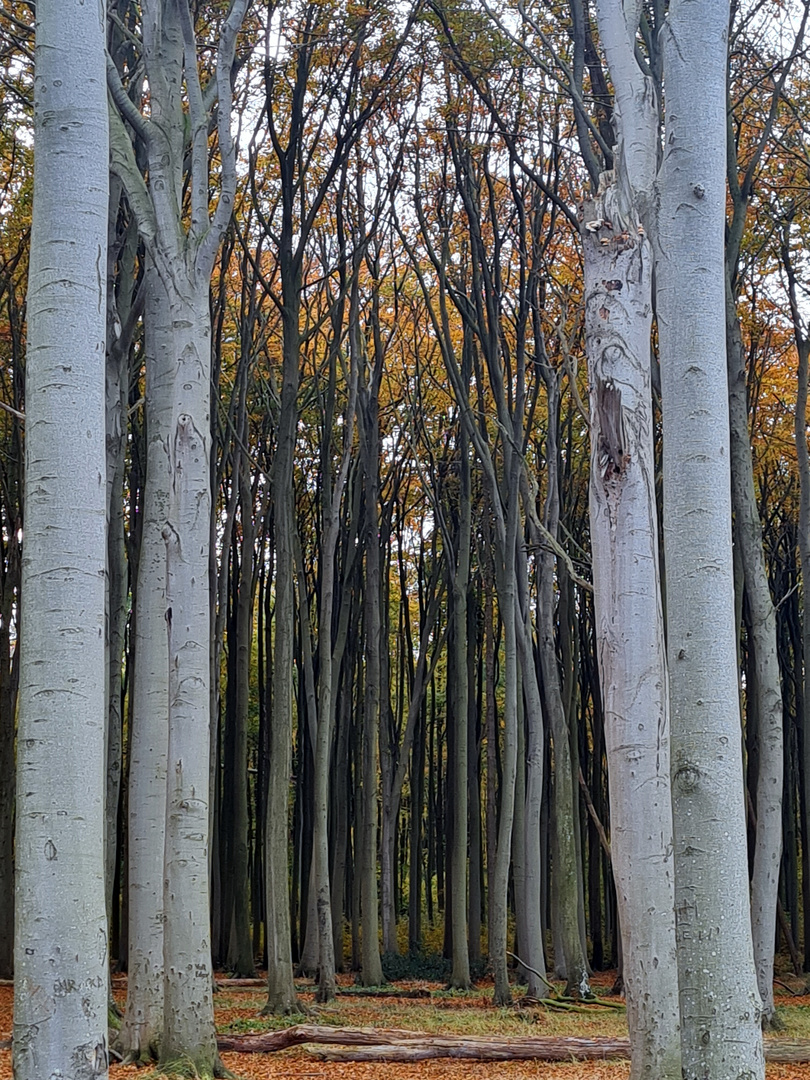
x,y
192,1070
773,1022
285,1008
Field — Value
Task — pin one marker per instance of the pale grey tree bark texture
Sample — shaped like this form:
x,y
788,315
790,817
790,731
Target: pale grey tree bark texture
x,y
625,551
720,1003
630,626
181,255
60,1018
143,1018
765,690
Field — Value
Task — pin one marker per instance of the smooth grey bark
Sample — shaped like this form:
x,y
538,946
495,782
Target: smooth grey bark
x,y
720,1004
188,1017
183,257
765,690
61,944
629,621
143,1017
142,1028
624,526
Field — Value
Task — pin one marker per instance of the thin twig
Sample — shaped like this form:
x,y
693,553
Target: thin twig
x,y
13,411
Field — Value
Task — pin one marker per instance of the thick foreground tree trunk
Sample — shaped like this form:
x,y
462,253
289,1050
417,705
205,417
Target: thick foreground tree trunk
x,y
630,624
720,1003
143,1019
188,1021
61,947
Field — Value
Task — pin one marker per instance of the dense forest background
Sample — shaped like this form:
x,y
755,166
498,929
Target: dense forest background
x,y
404,255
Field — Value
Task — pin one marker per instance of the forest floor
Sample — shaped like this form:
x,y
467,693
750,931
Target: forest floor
x,y
238,1012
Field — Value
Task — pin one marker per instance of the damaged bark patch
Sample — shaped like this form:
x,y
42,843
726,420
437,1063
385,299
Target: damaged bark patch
x,y
613,459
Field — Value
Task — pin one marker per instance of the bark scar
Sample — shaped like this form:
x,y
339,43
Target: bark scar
x,y
612,457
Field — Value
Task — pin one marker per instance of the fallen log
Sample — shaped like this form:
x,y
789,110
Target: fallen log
x,y
564,1048
299,1034
481,1048
397,1044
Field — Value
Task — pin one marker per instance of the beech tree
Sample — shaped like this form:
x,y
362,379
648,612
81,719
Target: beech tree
x,y
366,453
60,1011
618,272
715,954
180,262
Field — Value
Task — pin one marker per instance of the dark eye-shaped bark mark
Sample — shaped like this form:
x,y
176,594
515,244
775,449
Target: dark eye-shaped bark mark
x,y
613,458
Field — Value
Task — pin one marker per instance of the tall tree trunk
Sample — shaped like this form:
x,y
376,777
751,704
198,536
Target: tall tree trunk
x,y
281,996
566,803
371,970
720,1004
119,336
188,1019
531,942
491,735
146,802
415,874
474,668
501,856
183,259
460,973
327,698
61,955
802,340
10,615
9,671
240,947
765,690
629,624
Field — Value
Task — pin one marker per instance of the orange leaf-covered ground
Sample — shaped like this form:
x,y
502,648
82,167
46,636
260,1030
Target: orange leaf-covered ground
x,y
239,1012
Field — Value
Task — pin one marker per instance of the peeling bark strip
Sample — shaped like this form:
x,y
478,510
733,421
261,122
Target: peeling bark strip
x,y
60,961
